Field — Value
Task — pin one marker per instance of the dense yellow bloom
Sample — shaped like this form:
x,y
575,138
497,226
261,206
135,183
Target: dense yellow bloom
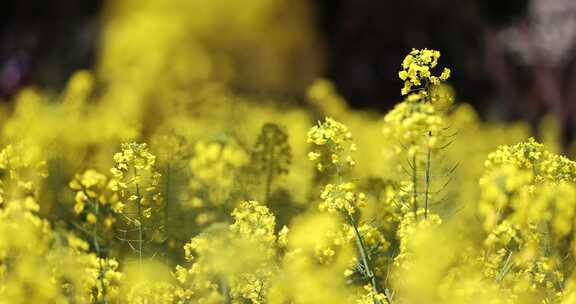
x,y
533,156
408,232
254,220
414,125
417,70
215,163
329,132
89,187
341,198
40,264
526,187
332,147
254,206
22,169
243,255
215,171
136,181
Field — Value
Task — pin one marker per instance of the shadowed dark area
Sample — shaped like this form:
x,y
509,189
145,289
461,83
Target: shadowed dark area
x,y
43,42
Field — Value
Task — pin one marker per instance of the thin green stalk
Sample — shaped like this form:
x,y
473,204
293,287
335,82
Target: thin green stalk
x,y
428,161
140,219
366,261
505,269
427,180
368,269
168,197
415,185
101,270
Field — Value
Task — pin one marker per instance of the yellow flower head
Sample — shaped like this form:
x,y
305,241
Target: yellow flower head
x,y
341,198
417,70
332,144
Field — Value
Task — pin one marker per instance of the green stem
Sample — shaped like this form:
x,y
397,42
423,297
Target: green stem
x,y
168,198
415,186
101,269
366,261
140,219
428,160
427,180
364,255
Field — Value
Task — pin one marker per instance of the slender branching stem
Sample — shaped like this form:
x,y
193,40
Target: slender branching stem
x,y
167,196
364,254
140,220
427,180
428,161
366,262
101,270
415,185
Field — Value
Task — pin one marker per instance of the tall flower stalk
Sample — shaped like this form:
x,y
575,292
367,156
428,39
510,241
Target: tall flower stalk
x,y
90,201
333,147
135,180
416,124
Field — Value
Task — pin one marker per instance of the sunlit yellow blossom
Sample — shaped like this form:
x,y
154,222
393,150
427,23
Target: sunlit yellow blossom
x,y
341,198
417,70
331,141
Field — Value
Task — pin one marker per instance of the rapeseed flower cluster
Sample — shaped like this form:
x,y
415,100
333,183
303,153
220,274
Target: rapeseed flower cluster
x,y
332,145
417,70
341,198
410,124
22,169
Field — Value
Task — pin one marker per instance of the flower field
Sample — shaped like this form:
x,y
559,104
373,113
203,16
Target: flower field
x,y
163,176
